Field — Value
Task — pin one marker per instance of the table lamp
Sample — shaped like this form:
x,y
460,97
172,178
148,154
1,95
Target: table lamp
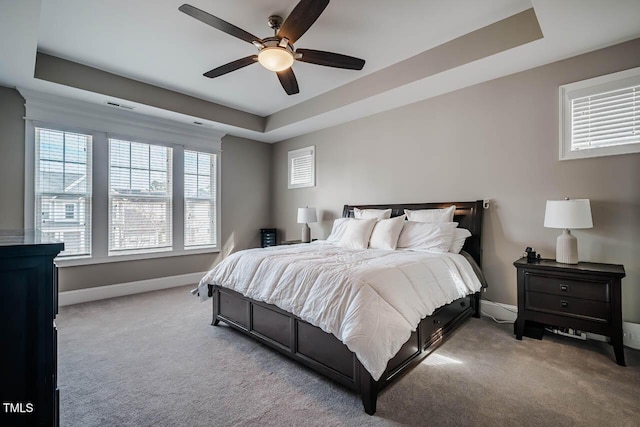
x,y
567,214
305,216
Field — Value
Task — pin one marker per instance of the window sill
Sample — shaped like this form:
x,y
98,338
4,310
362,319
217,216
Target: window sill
x,y
72,262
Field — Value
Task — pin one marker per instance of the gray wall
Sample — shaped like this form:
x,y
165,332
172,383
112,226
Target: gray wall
x,y
11,159
496,140
245,169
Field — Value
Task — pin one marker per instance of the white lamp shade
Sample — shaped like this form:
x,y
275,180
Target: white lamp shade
x,y
307,215
568,214
275,58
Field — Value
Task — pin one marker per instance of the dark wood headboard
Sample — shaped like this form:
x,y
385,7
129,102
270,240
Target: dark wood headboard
x,y
468,215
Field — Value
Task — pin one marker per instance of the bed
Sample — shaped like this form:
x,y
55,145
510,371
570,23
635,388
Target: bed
x,y
323,352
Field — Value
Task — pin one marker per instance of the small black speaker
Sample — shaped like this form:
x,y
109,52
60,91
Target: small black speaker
x,y
268,237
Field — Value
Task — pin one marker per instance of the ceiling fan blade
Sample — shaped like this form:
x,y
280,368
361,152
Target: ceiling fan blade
x,y
218,23
330,59
288,81
231,66
301,18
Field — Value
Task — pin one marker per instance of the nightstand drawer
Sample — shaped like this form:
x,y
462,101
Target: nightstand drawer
x,y
567,306
587,289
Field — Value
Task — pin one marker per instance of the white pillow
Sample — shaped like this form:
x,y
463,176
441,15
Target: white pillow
x,y
459,237
357,234
435,237
371,213
385,233
431,215
339,227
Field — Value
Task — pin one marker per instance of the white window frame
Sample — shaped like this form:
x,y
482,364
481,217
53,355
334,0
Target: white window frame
x,y
30,181
597,85
296,154
169,198
213,172
102,122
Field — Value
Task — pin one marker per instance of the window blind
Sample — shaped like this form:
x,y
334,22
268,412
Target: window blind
x,y
200,222
63,188
140,197
606,119
302,167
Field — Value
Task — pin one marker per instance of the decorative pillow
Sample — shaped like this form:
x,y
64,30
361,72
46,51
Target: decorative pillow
x,y
459,237
431,215
357,234
371,213
385,233
435,237
339,227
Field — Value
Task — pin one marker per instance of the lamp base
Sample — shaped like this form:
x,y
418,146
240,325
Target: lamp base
x,y
306,234
567,248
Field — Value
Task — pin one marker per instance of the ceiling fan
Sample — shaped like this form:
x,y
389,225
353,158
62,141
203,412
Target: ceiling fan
x,y
277,53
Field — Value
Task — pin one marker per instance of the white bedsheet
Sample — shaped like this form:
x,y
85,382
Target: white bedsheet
x,y
371,300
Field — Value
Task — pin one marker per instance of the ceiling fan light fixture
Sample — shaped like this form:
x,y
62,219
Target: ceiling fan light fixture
x,y
275,58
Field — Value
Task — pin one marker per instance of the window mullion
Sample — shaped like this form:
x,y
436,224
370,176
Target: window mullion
x,y
100,212
177,184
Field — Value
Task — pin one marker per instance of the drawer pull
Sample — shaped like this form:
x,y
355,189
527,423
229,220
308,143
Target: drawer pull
x,y
463,304
564,288
564,303
436,321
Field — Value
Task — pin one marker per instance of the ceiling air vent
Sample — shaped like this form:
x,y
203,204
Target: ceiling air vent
x,y
118,105
207,125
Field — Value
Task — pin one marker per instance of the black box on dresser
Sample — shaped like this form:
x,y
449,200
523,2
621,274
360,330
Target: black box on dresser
x,y
28,307
268,237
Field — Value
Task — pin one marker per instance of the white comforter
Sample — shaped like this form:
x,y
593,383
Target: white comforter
x,y
371,300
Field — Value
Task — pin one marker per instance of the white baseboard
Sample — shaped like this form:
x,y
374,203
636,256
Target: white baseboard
x,y
111,291
631,334
499,311
630,331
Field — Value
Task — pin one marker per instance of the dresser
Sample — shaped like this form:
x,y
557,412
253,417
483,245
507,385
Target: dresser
x,y
28,307
584,296
268,237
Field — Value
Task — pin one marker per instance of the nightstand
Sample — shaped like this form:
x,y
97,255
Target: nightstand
x,y
584,296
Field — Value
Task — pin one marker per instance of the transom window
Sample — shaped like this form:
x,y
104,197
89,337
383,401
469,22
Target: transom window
x,y
600,116
301,167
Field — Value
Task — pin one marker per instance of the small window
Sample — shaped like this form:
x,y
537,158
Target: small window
x,y
69,211
302,167
600,116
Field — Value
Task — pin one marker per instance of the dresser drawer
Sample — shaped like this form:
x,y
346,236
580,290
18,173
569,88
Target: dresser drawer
x,y
568,306
587,289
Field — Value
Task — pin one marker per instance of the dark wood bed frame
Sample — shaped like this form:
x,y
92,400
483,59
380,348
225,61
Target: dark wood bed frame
x,y
322,351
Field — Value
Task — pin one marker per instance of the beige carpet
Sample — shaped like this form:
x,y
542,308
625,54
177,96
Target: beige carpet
x,y
154,360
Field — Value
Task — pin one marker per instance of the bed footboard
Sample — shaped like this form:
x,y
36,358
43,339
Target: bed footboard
x,y
323,352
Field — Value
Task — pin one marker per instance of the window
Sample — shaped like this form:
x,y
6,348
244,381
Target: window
x,y
140,201
301,170
69,211
63,188
600,116
200,222
119,186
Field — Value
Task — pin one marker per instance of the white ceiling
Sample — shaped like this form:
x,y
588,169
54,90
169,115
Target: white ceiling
x,y
153,42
